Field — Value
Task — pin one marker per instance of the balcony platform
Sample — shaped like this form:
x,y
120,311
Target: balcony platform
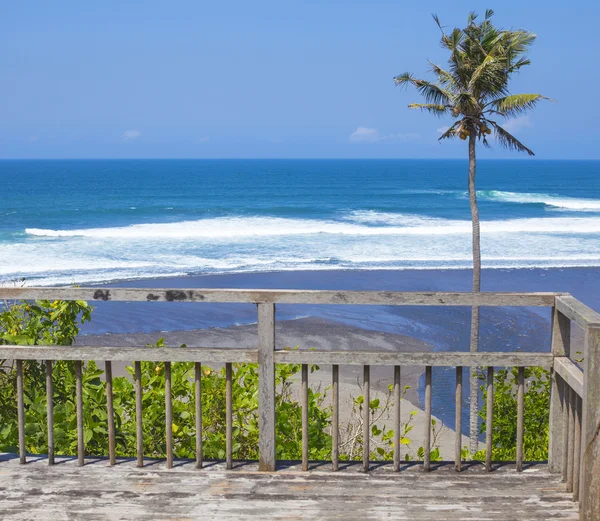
x,y
99,492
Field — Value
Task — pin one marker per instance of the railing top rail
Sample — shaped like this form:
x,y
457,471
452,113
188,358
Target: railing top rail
x,y
577,311
283,296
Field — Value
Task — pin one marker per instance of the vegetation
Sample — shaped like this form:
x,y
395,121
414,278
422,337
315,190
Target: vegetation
x,y
474,91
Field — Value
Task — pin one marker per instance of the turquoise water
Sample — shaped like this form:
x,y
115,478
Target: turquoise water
x,y
97,221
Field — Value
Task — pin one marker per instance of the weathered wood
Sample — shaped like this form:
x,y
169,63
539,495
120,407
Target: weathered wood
x,y
21,413
577,449
397,417
304,393
520,417
261,296
335,417
565,433
427,423
62,492
577,311
560,347
570,373
126,354
489,419
79,408
110,412
198,404
458,420
366,417
589,496
266,386
50,411
448,359
571,442
168,415
228,416
139,426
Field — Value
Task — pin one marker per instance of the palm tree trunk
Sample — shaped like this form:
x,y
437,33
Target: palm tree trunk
x,y
474,344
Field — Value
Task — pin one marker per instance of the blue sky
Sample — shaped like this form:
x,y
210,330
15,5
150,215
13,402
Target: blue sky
x,y
277,78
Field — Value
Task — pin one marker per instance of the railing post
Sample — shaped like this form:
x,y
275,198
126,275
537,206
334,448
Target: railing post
x,y
589,497
561,346
266,386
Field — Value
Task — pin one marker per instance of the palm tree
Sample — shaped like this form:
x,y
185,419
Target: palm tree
x,y
473,90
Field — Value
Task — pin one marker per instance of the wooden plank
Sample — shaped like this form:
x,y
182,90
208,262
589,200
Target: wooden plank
x,y
21,413
577,449
577,311
139,426
458,420
570,373
366,417
198,404
228,416
266,387
571,442
397,417
79,408
589,496
50,411
489,419
168,415
304,396
110,412
565,433
127,354
427,423
448,359
520,417
335,417
260,296
560,347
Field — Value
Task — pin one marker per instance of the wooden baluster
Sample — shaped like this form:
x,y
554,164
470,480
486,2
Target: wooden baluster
x,y
266,386
561,346
21,413
168,415
304,392
228,416
50,411
571,444
489,428
335,418
458,420
397,418
427,437
139,426
565,429
110,411
198,391
366,417
577,449
79,408
520,417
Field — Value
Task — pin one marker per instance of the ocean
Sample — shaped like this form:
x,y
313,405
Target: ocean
x,y
93,221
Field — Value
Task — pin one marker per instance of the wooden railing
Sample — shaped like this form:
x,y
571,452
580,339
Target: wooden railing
x,y
574,412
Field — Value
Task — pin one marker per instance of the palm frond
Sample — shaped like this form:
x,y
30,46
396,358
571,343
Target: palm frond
x,y
515,104
450,133
432,92
507,140
436,110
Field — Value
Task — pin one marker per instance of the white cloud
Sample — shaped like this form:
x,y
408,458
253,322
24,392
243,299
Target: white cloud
x,y
128,135
516,124
372,135
203,139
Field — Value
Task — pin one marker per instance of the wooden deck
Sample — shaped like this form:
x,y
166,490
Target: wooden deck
x,y
98,492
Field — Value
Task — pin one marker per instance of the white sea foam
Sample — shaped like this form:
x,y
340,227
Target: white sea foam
x,y
237,227
555,201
